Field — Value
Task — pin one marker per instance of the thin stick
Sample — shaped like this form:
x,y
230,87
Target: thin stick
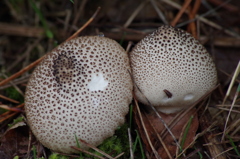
x,y
166,126
8,99
78,13
21,71
160,139
158,115
192,25
201,18
96,149
119,155
229,7
8,114
13,109
184,7
135,13
236,73
130,143
85,25
40,59
130,43
229,113
145,130
159,12
84,151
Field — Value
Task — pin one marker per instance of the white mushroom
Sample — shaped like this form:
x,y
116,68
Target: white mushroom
x,y
81,88
171,69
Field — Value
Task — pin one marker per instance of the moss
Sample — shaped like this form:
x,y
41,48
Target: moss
x,y
12,93
115,144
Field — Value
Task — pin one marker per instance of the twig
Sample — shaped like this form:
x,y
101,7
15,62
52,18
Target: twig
x,y
192,26
135,13
235,126
202,19
119,155
19,30
17,81
160,138
228,7
166,126
79,11
159,12
85,25
21,71
229,113
9,114
84,151
13,109
40,59
128,47
222,41
182,10
67,19
227,110
96,149
206,125
9,99
145,130
159,116
28,50
236,73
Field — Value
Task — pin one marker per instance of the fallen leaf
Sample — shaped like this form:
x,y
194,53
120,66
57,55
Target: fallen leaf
x,y
162,141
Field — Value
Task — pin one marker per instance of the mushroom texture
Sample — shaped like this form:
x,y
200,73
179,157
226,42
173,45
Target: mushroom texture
x,y
81,88
171,70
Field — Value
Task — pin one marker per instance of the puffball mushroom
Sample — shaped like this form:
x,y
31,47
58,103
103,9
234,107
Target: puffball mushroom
x,y
83,88
171,70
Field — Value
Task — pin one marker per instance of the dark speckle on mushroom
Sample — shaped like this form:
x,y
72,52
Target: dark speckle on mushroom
x,y
63,68
170,59
81,88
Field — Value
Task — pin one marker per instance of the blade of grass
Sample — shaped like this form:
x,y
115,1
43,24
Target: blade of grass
x,y
34,152
186,131
138,140
48,32
199,153
78,144
233,145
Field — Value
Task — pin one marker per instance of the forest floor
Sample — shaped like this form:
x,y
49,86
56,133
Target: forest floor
x,y
29,29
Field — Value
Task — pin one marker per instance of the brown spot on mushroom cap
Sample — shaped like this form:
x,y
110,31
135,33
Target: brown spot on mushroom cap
x,y
81,88
171,59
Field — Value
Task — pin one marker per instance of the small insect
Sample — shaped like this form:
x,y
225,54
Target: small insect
x,y
169,94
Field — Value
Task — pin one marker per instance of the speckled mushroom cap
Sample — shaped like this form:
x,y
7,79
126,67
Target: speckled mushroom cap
x,y
172,69
81,88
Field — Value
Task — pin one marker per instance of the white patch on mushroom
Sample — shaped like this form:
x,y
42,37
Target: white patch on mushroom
x,y
172,69
166,99
188,97
78,91
97,82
